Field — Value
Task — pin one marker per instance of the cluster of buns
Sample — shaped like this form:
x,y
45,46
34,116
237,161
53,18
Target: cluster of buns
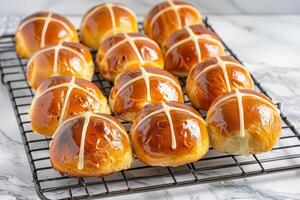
x,y
88,141
239,120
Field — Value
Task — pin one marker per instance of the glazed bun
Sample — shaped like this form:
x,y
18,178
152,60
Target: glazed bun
x,y
61,97
137,88
64,59
214,77
90,145
127,51
168,17
106,20
189,46
243,122
43,29
169,134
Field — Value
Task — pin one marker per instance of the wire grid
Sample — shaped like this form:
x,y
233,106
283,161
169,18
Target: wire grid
x,y
50,184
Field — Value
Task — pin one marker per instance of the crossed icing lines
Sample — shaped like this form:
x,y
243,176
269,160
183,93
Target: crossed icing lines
x,y
87,117
110,7
195,39
145,75
70,87
48,19
175,8
239,96
223,65
131,41
167,110
56,50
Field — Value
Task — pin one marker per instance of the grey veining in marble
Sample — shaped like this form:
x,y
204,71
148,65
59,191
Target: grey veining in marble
x,y
269,47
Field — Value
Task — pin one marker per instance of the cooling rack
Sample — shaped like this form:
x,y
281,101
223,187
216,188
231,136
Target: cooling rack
x,y
213,167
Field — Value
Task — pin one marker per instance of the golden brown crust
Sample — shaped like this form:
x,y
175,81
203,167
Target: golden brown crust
x,y
127,51
189,46
214,77
261,123
168,17
90,145
169,134
61,97
64,59
105,20
43,29
136,88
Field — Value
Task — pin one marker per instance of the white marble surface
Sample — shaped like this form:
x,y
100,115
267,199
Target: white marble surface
x,y
269,47
207,7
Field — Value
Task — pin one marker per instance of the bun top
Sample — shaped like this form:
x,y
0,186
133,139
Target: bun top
x,y
167,120
214,77
63,59
62,97
246,101
168,17
189,46
90,145
106,20
243,122
43,29
126,51
136,88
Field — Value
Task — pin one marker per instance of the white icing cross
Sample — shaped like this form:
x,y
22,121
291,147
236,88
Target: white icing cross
x,y
87,116
176,12
241,112
175,8
167,109
195,38
70,86
131,42
46,20
239,96
223,65
135,49
146,77
56,50
55,59
110,7
80,163
112,17
44,30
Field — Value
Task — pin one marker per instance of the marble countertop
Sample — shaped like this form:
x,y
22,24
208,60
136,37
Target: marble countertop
x,y
77,7
268,45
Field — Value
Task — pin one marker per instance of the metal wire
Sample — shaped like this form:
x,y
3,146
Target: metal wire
x,y
140,178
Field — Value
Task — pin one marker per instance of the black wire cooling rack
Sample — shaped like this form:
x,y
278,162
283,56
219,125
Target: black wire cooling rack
x,y
140,178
